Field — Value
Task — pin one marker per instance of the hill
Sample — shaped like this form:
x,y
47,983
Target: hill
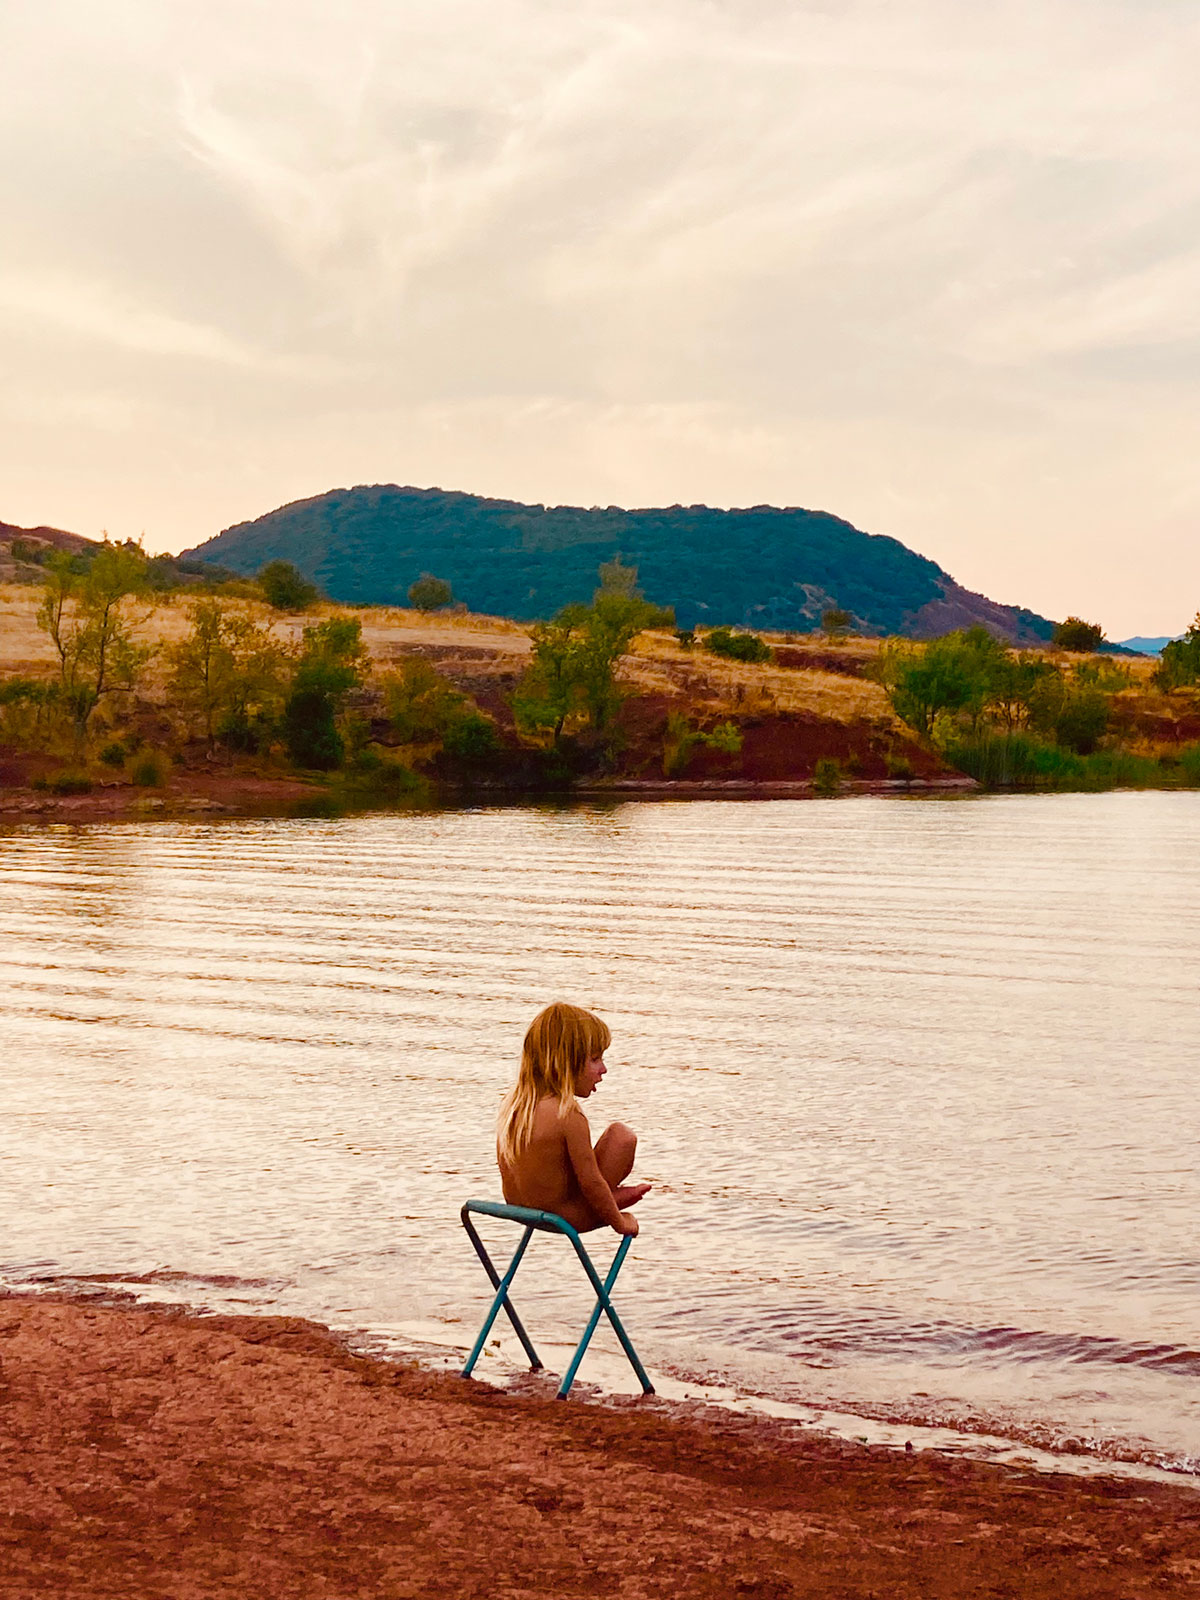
x,y
766,566
1147,646
24,553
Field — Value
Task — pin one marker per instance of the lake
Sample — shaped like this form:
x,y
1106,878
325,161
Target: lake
x,y
915,1082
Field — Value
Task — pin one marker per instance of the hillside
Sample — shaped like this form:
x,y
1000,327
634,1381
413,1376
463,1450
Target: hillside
x,y
767,567
24,553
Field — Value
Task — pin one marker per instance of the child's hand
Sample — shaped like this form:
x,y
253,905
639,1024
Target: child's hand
x,y
629,1224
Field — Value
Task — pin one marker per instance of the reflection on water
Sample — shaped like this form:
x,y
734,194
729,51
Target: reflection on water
x,y
915,1081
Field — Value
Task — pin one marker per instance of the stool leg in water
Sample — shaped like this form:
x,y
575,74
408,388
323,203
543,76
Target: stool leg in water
x,y
547,1222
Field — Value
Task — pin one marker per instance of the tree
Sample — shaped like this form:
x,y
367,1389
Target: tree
x,y
549,698
424,708
1179,665
1077,636
1013,686
285,588
835,621
226,670
571,682
949,675
85,615
333,662
430,593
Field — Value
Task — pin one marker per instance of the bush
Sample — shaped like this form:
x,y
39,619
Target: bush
x,y
1077,635
149,769
835,621
310,730
1188,759
1179,664
471,738
898,767
685,638
827,776
66,783
737,646
1082,721
114,754
285,588
430,593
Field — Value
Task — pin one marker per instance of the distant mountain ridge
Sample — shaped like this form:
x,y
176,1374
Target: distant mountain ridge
x,y
765,566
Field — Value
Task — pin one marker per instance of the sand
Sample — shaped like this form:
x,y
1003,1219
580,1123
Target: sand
x,y
148,1453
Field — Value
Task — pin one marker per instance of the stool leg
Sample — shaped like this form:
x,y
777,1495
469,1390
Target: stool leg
x,y
605,1305
501,1287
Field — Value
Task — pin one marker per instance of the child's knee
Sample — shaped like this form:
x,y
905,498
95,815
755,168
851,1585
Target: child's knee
x,y
623,1135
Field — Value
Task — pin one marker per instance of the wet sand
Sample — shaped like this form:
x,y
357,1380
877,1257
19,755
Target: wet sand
x,y
149,1453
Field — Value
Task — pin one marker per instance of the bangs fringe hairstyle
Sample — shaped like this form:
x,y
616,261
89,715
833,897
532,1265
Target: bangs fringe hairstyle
x,y
561,1040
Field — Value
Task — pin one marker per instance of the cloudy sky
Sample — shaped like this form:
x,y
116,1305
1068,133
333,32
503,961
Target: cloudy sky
x,y
933,265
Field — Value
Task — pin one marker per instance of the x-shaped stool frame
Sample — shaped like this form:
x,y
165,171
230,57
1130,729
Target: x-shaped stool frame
x,y
546,1222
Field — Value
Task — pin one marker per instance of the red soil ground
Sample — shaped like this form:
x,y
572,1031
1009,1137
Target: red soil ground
x,y
148,1455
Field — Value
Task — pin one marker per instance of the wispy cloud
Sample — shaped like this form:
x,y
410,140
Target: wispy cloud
x,y
920,263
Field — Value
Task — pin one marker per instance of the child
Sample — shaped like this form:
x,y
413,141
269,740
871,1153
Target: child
x,y
544,1145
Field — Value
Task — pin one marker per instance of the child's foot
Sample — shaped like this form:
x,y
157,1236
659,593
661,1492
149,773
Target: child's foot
x,y
630,1193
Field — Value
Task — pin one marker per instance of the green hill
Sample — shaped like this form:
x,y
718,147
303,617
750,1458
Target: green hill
x,y
766,566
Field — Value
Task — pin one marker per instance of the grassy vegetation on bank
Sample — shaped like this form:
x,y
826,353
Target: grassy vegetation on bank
x,y
107,680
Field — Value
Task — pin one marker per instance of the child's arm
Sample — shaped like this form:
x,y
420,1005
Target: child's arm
x,y
592,1184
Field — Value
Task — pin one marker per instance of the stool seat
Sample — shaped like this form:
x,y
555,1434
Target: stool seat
x,y
533,1221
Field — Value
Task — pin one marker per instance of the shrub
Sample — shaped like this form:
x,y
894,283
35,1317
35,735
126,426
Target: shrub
x,y
1179,664
114,754
30,711
835,621
149,769
310,730
471,738
827,776
680,738
898,767
285,588
1082,721
685,638
430,594
737,646
1188,760
67,783
1077,635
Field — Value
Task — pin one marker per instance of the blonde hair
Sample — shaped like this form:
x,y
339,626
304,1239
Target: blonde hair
x,y
560,1042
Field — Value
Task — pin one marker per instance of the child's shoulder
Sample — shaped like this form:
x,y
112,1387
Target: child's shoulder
x,y
549,1116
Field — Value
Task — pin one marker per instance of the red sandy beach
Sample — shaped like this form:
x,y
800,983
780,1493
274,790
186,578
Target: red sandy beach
x,y
149,1453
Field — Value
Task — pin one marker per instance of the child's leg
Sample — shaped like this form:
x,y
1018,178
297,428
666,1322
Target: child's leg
x,y
616,1149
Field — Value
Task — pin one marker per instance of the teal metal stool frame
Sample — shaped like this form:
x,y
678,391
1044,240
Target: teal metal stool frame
x,y
546,1222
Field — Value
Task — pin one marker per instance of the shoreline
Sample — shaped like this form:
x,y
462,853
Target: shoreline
x,y
254,796
260,1456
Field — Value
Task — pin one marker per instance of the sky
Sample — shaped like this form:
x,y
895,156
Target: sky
x,y
931,265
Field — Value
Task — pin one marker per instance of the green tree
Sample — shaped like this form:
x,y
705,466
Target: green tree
x,y
835,621
332,663
950,675
549,697
1013,685
285,588
572,681
1078,636
430,594
424,708
227,670
86,615
1179,665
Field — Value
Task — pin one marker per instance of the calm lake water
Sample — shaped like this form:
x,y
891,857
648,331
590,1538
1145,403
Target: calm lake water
x,y
915,1081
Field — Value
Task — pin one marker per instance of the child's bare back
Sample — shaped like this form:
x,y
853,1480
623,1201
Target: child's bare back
x,y
559,1171
551,1165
